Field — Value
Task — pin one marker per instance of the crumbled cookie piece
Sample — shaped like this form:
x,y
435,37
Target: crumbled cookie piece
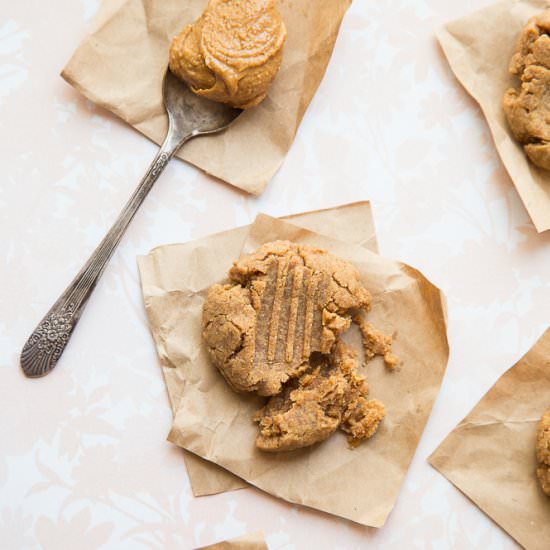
x,y
528,109
361,417
376,343
307,411
543,452
286,301
330,395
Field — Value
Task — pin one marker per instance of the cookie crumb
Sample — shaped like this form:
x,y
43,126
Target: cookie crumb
x,y
375,342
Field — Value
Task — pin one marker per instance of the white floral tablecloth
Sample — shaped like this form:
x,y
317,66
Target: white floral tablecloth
x,y
83,458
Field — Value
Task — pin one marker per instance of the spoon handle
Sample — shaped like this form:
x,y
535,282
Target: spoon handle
x,y
46,344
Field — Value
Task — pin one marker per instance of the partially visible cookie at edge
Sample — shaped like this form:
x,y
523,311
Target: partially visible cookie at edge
x,y
528,109
283,303
543,452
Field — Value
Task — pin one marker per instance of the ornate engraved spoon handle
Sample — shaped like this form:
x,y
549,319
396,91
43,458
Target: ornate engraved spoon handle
x,y
46,344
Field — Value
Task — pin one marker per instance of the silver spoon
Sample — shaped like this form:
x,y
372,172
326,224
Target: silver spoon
x,y
189,116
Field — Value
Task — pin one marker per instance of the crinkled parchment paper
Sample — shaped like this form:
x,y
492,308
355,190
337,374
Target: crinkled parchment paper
x,y
215,423
120,66
352,223
490,455
479,48
250,541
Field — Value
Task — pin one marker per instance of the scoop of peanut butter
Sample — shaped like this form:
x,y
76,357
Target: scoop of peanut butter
x,y
232,53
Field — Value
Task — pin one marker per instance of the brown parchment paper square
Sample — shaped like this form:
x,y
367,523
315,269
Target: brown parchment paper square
x,y
479,48
250,541
352,223
120,66
490,455
215,423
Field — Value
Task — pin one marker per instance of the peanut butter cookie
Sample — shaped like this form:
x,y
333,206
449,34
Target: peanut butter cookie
x,y
543,452
329,395
284,302
528,109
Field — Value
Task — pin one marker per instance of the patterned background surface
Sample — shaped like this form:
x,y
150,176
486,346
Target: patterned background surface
x,y
84,462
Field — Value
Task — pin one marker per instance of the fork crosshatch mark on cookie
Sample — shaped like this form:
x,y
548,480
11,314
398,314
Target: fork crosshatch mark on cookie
x,y
284,303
